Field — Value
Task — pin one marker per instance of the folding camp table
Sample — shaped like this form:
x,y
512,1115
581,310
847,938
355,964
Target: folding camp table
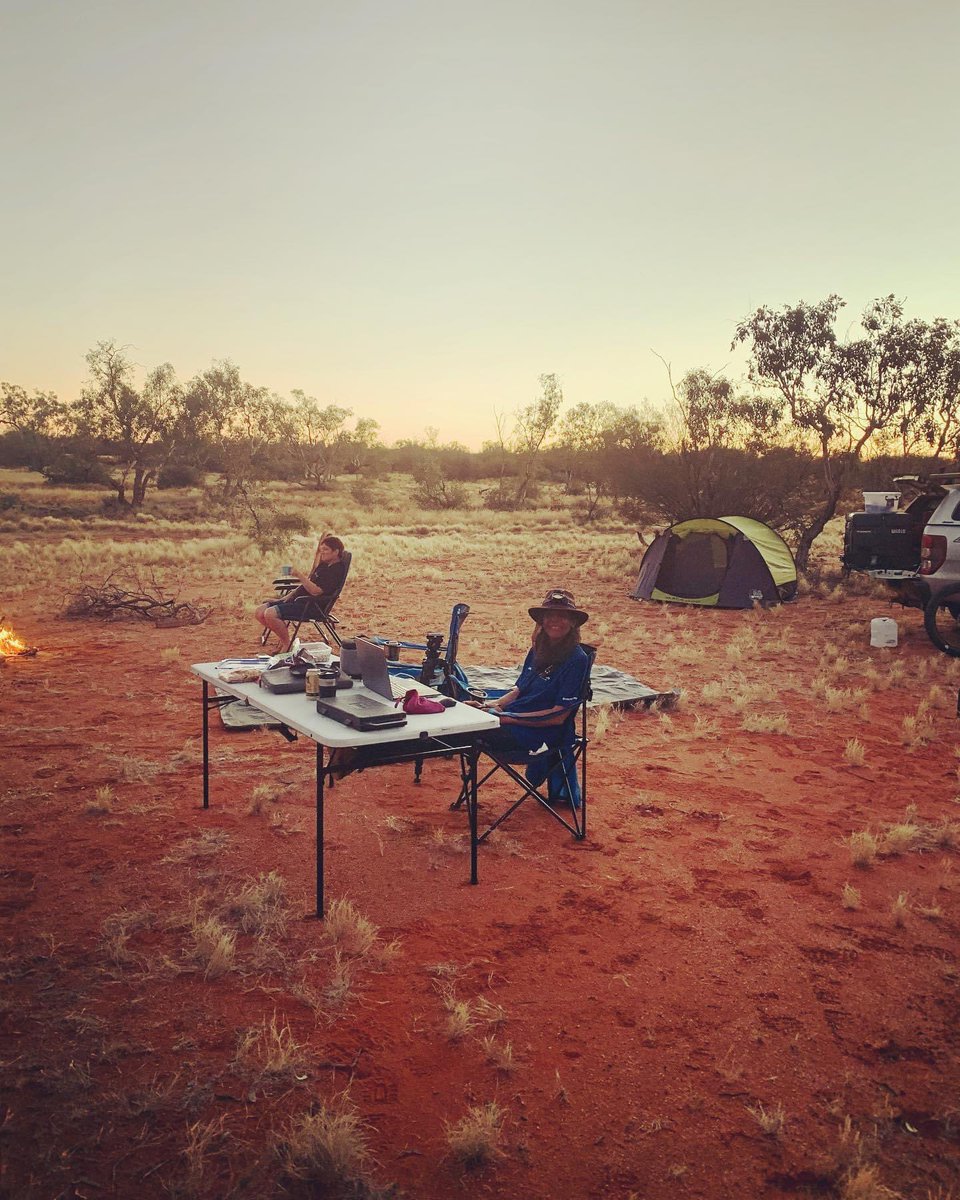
x,y
428,736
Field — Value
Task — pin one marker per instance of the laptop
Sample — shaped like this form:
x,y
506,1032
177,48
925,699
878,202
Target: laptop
x,y
376,674
377,711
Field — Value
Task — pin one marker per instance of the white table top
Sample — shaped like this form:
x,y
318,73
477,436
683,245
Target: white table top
x,y
299,713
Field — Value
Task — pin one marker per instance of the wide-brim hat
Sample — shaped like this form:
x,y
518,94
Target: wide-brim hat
x,y
559,601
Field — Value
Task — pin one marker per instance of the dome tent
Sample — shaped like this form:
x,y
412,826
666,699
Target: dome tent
x,y
721,562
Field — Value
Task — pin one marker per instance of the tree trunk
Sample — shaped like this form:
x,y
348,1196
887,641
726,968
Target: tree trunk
x,y
141,480
810,533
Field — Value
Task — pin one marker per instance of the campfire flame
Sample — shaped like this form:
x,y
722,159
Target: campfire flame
x,y
10,644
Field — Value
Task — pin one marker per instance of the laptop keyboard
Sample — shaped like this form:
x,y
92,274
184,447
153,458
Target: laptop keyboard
x,y
370,703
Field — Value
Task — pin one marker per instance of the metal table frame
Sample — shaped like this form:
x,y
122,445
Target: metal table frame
x,y
456,731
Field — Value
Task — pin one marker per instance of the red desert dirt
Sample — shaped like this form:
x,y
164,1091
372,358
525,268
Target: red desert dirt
x,y
708,997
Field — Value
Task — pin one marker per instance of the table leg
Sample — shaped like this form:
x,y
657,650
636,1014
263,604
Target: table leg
x,y
206,745
319,831
472,809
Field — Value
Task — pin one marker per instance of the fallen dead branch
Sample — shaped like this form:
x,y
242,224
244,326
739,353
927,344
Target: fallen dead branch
x,y
151,601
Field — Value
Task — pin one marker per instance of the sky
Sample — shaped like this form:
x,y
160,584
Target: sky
x,y
415,208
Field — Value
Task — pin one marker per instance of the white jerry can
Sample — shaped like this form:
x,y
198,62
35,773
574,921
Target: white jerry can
x,y
883,631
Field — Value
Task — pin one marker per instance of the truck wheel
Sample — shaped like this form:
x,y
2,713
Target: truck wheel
x,y
941,619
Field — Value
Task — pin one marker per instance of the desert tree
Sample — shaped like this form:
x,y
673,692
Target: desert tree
x,y
917,363
721,455
839,397
601,444
533,425
359,443
318,436
38,419
137,427
235,423
520,441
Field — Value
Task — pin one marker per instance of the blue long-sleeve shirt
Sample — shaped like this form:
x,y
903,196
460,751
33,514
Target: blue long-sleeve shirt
x,y
558,685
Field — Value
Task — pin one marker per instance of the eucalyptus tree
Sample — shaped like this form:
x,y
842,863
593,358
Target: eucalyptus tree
x,y
604,447
39,419
838,398
136,427
232,424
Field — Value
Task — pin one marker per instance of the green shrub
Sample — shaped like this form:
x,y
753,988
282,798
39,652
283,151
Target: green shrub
x,y
177,475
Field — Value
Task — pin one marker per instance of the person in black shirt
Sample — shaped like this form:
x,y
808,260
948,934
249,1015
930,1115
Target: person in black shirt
x,y
326,577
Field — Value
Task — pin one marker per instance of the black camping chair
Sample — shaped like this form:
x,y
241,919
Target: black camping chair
x,y
318,609
555,779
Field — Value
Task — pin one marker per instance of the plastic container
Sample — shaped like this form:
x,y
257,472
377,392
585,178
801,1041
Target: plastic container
x,y
877,502
883,632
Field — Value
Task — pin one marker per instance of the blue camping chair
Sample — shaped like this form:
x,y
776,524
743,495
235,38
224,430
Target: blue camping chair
x,y
556,778
439,668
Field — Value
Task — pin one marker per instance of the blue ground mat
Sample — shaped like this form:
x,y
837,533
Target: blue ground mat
x,y
610,686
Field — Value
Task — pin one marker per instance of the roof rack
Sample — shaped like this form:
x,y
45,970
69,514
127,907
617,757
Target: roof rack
x,y
940,479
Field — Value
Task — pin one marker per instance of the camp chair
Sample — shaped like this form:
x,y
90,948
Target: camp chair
x,y
319,610
562,770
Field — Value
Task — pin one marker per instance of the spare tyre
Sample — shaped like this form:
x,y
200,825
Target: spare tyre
x,y
941,619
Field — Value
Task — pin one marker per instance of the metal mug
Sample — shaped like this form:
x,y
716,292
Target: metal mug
x,y
327,682
350,659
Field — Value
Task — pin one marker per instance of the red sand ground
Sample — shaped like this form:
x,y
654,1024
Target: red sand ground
x,y
691,960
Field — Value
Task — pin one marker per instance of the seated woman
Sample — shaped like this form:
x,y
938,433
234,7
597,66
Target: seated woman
x,y
325,579
535,710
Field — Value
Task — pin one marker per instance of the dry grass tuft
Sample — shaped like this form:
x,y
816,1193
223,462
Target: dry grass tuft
x,y
499,1054
273,1047
336,991
850,896
352,933
261,906
196,1153
863,848
863,1183
214,946
460,1018
329,1148
116,931
474,1140
917,730
755,722
102,802
900,839
605,718
205,845
943,836
855,753
285,824
262,795
771,1121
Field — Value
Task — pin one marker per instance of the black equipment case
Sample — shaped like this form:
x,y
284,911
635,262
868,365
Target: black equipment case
x,y
886,541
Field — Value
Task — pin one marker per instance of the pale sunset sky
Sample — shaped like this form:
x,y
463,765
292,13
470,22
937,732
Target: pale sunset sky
x,y
413,208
